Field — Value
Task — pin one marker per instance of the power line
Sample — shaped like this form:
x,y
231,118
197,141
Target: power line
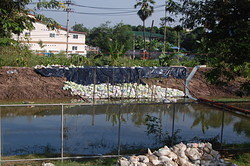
x,y
102,14
109,8
105,8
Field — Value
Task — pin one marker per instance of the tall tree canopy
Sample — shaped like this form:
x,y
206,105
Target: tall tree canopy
x,y
146,10
80,28
14,16
113,40
227,39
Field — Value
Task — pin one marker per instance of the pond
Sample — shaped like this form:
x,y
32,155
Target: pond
x,y
112,129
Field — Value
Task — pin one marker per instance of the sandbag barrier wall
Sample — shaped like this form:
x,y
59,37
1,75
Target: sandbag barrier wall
x,y
112,75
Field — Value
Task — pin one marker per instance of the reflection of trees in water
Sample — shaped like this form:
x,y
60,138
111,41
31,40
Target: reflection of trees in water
x,y
204,116
47,150
242,127
154,128
29,111
209,118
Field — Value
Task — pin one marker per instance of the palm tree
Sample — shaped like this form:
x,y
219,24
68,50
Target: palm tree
x,y
146,10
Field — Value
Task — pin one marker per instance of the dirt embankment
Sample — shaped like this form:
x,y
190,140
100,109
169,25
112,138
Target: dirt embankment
x,y
23,83
200,87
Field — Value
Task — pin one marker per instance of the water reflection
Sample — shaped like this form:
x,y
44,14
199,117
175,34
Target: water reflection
x,y
103,129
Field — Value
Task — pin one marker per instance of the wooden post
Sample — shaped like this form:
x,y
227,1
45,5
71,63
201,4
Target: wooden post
x,y
94,80
122,87
108,88
166,90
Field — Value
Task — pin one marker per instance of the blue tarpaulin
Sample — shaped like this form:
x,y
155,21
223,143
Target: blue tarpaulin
x,y
113,75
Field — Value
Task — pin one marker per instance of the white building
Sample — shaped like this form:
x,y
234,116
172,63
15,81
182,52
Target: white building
x,y
44,40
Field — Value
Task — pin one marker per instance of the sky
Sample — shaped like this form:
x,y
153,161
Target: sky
x,y
92,13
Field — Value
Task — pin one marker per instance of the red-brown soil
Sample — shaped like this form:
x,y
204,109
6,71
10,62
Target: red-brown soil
x,y
27,84
24,84
200,87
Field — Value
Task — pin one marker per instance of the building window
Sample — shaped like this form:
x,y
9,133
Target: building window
x,y
52,35
27,33
75,36
74,47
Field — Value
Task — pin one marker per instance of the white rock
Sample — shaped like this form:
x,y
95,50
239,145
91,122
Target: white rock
x,y
192,145
179,150
141,164
152,157
184,162
164,158
208,145
156,162
207,156
207,150
169,163
180,147
134,159
149,152
123,162
193,154
143,158
48,164
163,152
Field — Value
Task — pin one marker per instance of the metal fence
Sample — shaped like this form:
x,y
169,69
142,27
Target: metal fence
x,y
118,153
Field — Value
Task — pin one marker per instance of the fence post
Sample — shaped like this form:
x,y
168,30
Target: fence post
x,y
108,88
62,133
222,127
0,136
172,137
94,80
119,132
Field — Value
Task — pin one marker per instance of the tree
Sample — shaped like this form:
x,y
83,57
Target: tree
x,y
145,11
80,28
178,30
192,40
227,40
111,40
100,36
14,16
171,7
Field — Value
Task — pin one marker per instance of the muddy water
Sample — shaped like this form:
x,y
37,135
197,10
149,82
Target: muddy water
x,y
102,129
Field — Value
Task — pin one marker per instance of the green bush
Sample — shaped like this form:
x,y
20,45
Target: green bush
x,y
19,56
15,56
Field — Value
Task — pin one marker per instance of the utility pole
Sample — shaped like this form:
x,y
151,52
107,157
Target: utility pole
x,y
165,28
68,2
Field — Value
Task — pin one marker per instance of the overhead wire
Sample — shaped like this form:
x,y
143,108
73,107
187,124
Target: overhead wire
x,y
109,8
121,12
102,8
101,14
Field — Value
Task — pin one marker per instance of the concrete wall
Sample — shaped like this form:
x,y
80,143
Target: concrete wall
x,y
52,40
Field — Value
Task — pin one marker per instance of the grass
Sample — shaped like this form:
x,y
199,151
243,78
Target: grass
x,y
79,162
240,159
232,99
21,56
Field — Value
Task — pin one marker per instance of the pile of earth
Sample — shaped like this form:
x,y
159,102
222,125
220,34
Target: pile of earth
x,y
22,83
